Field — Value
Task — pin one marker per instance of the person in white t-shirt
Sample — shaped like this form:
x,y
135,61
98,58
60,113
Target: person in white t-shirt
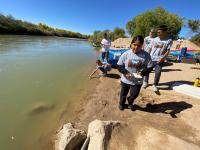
x,y
106,43
159,50
133,64
148,40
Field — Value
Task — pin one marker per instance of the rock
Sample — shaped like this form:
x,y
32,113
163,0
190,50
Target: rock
x,y
69,138
99,133
152,139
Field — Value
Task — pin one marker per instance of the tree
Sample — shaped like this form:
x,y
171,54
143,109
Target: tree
x,y
141,24
10,25
118,33
194,25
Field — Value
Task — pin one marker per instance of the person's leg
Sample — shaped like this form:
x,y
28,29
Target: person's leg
x,y
103,54
158,69
124,91
103,70
134,92
145,81
146,78
107,55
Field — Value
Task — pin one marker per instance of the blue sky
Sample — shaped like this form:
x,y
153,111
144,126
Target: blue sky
x,y
85,16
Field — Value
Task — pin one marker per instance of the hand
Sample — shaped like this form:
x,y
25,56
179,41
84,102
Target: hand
x,y
161,60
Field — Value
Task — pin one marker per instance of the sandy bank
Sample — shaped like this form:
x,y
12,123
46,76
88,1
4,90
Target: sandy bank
x,y
169,115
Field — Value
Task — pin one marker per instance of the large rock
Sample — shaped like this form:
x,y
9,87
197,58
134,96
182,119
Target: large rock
x,y
152,139
69,138
99,133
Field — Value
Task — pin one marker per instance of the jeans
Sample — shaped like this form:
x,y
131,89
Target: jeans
x,y
103,70
134,92
158,69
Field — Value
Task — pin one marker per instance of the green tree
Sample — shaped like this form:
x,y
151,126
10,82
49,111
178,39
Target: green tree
x,y
99,35
118,33
141,24
194,25
10,25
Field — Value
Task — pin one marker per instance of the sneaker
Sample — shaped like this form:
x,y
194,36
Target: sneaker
x,y
144,85
155,89
121,107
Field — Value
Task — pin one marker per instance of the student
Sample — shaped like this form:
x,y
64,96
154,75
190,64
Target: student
x,y
133,64
106,43
147,42
103,66
159,50
149,39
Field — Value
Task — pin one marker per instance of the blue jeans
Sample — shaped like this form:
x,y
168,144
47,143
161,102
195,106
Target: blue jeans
x,y
158,69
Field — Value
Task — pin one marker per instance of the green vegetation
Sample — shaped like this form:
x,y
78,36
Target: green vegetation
x,y
141,24
10,25
113,35
194,25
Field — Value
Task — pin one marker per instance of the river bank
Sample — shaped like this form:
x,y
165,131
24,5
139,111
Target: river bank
x,y
169,119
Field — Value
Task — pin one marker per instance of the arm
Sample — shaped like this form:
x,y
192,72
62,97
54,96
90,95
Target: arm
x,y
122,69
120,64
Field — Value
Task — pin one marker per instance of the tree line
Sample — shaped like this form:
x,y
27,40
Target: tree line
x,y
10,25
113,35
142,24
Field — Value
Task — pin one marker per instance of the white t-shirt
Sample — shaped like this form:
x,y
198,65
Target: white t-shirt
x,y
147,42
106,43
142,57
159,48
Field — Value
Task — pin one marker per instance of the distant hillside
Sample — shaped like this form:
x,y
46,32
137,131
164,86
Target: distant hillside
x,y
10,25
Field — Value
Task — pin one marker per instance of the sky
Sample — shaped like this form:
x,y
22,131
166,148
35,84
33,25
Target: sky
x,y
86,16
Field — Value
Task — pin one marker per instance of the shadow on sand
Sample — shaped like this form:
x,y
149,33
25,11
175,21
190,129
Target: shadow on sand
x,y
170,70
171,108
112,75
169,85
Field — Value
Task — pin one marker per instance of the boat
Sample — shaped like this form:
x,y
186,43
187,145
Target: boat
x,y
114,56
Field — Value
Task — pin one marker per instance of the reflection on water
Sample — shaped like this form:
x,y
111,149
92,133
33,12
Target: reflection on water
x,y
39,77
